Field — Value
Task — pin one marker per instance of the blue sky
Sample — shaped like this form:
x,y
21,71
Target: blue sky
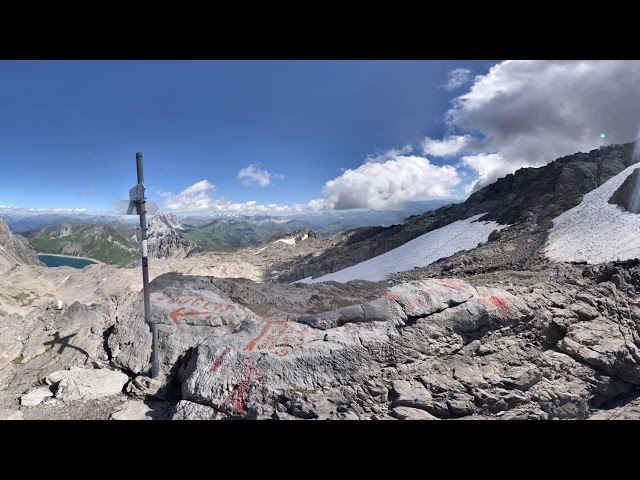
x,y
249,136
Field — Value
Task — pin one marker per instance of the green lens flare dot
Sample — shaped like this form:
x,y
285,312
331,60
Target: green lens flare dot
x,y
602,135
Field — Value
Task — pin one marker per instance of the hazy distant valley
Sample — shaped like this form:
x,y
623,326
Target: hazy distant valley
x,y
111,239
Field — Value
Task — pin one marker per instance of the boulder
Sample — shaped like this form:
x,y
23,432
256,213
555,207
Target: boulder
x,y
185,317
35,397
84,384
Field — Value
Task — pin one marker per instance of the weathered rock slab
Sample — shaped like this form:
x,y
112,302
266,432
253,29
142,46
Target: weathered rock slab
x,y
35,397
85,384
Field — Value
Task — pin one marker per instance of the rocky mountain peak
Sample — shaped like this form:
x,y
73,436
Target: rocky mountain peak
x,y
14,249
4,228
165,240
170,220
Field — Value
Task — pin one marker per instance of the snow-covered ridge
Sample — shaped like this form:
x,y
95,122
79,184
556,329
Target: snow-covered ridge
x,y
419,252
596,231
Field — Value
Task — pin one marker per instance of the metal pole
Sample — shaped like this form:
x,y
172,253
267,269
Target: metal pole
x,y
155,368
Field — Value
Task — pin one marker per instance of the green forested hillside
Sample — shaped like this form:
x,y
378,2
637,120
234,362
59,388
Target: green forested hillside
x,y
109,244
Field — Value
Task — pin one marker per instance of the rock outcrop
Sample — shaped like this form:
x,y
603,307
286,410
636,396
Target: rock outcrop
x,y
628,195
15,249
84,384
185,315
165,241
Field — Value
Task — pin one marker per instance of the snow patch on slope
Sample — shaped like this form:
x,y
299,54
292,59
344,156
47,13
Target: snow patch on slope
x,y
596,231
419,252
288,241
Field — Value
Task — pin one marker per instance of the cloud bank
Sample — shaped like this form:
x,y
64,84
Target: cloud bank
x,y
530,112
199,198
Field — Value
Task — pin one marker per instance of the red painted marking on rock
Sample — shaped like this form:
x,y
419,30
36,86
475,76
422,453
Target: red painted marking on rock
x,y
175,314
423,287
241,391
501,304
253,342
218,362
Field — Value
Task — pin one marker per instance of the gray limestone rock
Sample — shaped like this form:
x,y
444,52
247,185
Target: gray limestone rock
x,y
408,413
52,340
266,358
15,249
629,410
605,345
185,317
35,397
165,240
132,410
82,384
628,195
141,410
186,410
411,394
7,414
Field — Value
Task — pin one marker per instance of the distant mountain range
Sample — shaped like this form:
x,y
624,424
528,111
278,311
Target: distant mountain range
x,y
326,222
22,220
111,238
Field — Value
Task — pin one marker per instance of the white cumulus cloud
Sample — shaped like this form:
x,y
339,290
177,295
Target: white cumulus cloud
x,y
456,78
389,184
201,186
254,175
192,199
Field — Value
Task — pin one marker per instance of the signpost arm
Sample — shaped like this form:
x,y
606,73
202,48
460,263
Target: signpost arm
x,y
155,368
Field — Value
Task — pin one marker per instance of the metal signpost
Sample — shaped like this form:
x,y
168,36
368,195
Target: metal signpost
x,y
137,202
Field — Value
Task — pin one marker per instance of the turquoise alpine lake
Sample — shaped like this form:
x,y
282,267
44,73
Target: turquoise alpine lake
x,y
56,261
